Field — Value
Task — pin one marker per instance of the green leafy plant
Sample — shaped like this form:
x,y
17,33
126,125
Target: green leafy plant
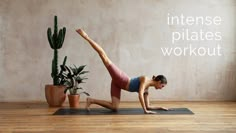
x,y
56,41
72,78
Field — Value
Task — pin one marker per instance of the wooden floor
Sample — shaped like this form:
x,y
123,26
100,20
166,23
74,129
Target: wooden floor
x,y
209,117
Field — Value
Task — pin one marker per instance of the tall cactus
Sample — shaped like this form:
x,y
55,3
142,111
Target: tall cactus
x,y
56,41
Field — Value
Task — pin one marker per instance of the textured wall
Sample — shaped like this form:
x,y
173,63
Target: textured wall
x,y
130,31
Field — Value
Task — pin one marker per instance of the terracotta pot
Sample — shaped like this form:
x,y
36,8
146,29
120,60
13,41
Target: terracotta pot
x,y
74,101
55,95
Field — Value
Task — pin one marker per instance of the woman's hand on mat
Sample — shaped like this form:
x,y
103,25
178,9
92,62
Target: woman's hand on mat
x,y
149,112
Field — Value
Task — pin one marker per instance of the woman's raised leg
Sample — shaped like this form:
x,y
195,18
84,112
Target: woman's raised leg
x,y
114,104
96,47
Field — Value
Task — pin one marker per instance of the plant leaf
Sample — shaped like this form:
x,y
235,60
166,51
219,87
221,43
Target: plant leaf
x,y
78,88
73,70
76,70
85,93
81,68
78,78
83,72
68,83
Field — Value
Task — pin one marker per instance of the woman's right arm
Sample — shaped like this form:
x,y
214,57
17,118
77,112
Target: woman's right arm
x,y
141,96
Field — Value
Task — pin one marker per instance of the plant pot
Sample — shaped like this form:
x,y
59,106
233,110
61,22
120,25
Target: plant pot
x,y
55,95
74,101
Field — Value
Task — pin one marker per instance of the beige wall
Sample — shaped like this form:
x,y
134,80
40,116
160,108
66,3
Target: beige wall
x,y
131,32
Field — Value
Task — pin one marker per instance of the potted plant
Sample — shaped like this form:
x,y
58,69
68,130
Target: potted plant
x,y
72,78
55,93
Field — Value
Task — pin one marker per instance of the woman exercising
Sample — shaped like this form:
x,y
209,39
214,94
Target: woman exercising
x,y
121,80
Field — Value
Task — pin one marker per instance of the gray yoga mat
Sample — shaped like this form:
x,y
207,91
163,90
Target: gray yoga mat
x,y
122,111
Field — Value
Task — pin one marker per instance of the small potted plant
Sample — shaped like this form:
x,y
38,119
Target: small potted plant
x,y
72,78
54,93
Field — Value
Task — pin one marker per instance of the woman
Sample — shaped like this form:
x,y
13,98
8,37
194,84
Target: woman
x,y
120,80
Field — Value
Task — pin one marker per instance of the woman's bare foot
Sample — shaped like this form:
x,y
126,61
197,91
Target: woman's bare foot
x,y
82,33
88,103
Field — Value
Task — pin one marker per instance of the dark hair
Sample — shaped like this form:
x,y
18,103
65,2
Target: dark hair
x,y
161,78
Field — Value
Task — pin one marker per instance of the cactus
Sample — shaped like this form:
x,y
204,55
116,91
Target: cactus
x,y
56,41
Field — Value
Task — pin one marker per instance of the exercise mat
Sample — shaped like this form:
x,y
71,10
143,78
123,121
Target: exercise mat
x,y
121,111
